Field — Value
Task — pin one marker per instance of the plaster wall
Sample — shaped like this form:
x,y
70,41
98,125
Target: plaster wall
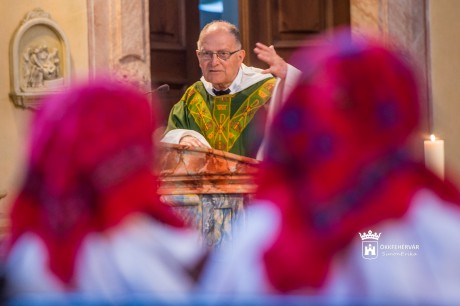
x,y
71,16
445,80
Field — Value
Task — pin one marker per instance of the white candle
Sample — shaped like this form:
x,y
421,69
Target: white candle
x,y
434,155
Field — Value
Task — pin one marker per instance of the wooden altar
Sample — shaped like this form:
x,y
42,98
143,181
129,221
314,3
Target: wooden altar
x,y
207,187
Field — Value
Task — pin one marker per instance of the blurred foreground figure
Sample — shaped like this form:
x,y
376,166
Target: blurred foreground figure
x,y
343,211
87,218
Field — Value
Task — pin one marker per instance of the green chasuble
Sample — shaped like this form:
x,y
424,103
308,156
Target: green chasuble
x,y
232,123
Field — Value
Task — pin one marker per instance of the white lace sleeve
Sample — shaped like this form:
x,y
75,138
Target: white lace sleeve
x,y
282,90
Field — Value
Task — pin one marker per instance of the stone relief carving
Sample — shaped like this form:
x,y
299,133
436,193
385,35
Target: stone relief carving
x,y
39,59
41,67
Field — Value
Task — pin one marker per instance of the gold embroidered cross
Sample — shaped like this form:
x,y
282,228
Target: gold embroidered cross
x,y
202,113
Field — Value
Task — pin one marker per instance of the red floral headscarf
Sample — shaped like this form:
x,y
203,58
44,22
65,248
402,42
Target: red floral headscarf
x,y
336,161
89,165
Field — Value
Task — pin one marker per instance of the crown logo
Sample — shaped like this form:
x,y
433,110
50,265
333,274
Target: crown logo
x,y
370,235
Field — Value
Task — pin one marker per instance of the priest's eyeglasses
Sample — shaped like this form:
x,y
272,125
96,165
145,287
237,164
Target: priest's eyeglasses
x,y
222,55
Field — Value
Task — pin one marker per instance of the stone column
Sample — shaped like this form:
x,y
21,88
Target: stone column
x,y
118,35
405,25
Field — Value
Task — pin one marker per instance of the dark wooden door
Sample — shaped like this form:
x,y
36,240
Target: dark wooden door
x,y
174,30
288,24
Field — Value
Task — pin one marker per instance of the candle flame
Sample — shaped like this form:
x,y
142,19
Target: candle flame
x,y
432,137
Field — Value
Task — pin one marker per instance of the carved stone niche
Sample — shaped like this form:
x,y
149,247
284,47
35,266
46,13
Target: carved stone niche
x,y
39,60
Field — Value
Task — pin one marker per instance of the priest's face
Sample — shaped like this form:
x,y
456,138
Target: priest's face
x,y
215,68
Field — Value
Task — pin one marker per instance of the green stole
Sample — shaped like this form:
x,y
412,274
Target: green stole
x,y
222,127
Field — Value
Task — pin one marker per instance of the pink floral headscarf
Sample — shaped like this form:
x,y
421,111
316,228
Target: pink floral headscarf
x,y
337,160
90,159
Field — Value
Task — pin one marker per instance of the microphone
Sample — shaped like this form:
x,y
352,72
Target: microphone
x,y
162,88
159,89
